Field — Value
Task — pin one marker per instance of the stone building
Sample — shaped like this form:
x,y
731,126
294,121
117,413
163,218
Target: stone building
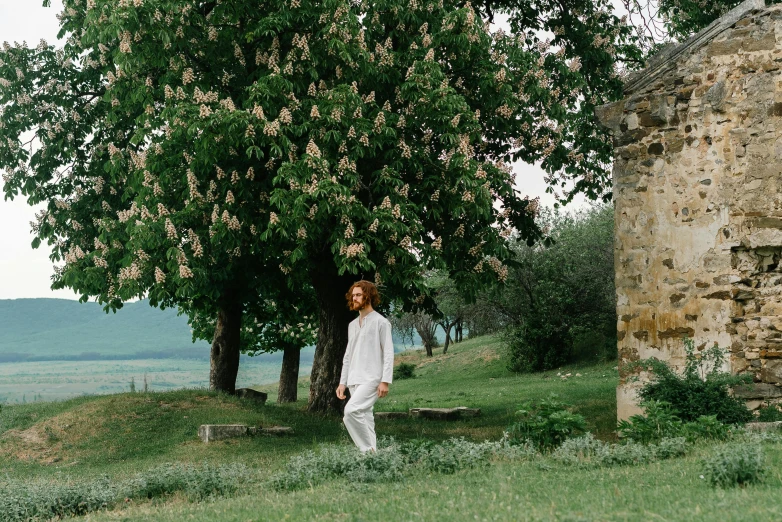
x,y
698,194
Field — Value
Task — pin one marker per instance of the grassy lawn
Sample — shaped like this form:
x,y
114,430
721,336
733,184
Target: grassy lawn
x,y
120,435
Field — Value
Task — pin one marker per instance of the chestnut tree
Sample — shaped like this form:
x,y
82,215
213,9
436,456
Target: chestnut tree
x,y
219,155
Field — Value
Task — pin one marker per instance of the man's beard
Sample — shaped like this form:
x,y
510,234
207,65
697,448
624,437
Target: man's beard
x,y
356,306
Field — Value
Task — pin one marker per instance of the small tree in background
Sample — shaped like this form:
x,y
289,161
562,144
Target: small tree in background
x,y
408,324
559,302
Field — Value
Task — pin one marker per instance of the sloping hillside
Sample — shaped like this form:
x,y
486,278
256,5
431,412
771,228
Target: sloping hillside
x,y
114,433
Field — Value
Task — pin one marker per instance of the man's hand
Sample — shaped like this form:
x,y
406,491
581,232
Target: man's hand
x,y
341,391
382,390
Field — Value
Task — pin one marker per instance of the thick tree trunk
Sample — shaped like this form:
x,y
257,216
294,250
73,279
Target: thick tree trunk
x,y
289,375
224,364
334,317
458,332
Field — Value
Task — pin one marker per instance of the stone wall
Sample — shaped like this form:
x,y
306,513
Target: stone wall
x,y
698,195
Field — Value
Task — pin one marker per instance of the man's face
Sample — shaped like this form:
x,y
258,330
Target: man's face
x,y
357,301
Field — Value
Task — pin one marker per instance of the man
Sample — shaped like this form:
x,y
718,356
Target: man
x,y
368,364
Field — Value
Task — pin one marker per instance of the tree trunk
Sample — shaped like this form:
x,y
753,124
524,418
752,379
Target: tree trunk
x,y
447,328
447,341
224,363
289,375
334,317
458,337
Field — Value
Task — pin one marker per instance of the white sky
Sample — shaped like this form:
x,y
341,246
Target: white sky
x,y
25,272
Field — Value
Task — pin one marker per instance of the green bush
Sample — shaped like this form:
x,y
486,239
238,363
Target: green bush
x,y
735,465
560,302
545,423
46,500
586,451
769,413
196,482
703,389
22,501
706,427
404,371
391,461
659,422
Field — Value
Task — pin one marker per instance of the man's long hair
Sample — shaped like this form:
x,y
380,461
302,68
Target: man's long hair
x,y
369,290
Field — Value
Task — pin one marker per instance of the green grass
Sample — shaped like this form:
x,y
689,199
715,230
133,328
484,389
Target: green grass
x,y
670,490
120,435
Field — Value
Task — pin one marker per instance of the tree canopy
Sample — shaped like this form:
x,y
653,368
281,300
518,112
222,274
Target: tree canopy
x,y
223,155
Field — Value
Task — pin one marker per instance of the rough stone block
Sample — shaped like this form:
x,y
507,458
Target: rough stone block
x,y
772,372
764,426
757,390
610,115
392,415
212,432
277,430
445,413
255,395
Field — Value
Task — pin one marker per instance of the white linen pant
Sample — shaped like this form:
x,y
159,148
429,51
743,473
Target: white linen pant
x,y
358,416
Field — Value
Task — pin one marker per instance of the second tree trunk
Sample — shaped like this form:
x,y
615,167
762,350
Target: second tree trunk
x,y
289,375
224,359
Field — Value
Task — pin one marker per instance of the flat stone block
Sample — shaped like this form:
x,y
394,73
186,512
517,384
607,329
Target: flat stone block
x,y
445,413
211,432
249,393
764,426
392,415
757,391
277,430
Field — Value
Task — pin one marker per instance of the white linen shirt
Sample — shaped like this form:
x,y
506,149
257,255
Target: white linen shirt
x,y
369,357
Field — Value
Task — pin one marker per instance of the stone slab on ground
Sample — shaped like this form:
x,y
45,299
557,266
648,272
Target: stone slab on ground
x,y
275,430
764,426
213,432
249,393
445,413
391,415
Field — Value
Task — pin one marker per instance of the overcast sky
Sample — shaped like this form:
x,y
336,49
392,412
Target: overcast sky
x,y
25,272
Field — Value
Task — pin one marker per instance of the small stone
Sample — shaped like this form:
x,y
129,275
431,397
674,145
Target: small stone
x,y
392,415
255,395
212,432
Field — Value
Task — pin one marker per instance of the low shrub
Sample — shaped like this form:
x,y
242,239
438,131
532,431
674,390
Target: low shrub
x,y
392,461
404,371
46,500
196,482
706,427
735,465
23,501
659,422
703,389
769,413
545,423
586,451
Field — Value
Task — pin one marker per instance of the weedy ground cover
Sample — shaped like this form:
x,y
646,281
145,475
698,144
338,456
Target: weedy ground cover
x,y
110,441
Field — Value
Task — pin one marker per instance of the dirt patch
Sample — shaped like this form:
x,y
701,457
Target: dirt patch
x,y
435,359
489,356
28,436
45,441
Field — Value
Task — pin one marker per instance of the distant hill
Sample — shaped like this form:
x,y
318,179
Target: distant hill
x,y
66,330
61,329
